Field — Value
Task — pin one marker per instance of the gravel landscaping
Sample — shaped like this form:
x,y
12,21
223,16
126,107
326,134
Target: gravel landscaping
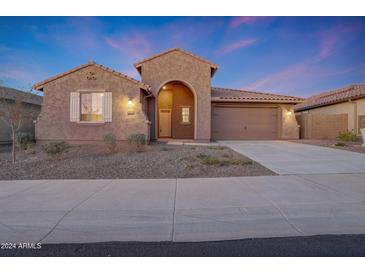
x,y
155,161
350,146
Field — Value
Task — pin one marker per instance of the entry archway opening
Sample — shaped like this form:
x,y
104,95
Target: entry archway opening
x,y
176,111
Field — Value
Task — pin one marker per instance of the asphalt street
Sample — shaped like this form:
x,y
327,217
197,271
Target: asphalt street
x,y
311,246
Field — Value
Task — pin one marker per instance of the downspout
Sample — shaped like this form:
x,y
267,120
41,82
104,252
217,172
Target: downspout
x,y
356,130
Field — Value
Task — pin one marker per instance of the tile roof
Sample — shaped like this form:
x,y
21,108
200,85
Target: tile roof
x,y
138,64
39,86
237,95
340,95
26,97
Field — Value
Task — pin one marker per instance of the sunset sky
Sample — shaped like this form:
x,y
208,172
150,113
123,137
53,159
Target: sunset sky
x,y
289,55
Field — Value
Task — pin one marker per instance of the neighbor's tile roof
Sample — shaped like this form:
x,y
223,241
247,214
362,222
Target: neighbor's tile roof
x,y
26,97
332,97
138,64
237,95
39,86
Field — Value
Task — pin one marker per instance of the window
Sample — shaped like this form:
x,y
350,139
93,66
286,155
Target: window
x,y
185,115
92,107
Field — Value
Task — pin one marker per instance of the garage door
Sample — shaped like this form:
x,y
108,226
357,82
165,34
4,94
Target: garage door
x,y
244,123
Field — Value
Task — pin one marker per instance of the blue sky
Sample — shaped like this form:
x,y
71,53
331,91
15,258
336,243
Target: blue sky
x,y
289,55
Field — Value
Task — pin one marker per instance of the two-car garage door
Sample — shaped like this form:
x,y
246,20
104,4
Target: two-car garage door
x,y
244,123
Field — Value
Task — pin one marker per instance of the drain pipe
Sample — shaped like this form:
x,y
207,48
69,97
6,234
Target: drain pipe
x,y
354,103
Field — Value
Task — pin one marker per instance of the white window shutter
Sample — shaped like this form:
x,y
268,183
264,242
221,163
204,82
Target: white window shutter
x,y
107,108
75,107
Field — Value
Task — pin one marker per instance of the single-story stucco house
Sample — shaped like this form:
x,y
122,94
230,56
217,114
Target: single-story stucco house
x,y
325,115
174,99
31,103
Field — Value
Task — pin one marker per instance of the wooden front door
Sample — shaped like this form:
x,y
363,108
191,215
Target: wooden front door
x,y
164,122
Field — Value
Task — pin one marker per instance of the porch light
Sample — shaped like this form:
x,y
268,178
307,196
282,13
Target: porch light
x,y
130,103
289,113
130,109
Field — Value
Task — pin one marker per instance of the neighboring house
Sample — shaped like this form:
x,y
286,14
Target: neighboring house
x,y
325,115
174,99
31,101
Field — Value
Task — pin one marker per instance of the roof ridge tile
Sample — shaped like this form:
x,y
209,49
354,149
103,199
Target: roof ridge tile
x,y
90,63
171,50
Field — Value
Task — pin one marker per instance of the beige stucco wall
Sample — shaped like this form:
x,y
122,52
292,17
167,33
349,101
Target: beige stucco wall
x,y
348,108
289,125
177,66
54,121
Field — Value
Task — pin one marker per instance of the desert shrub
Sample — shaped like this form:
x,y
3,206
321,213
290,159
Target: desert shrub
x,y
347,136
238,162
137,141
110,141
53,148
24,140
340,144
216,147
208,160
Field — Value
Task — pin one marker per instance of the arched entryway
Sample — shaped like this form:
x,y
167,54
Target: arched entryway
x,y
175,111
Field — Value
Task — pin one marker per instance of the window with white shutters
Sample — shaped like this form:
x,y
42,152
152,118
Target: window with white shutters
x,y
91,107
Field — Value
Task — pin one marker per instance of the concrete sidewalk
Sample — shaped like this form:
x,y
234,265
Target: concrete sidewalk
x,y
287,158
68,211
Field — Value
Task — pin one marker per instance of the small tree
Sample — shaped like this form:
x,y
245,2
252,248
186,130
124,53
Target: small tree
x,y
14,112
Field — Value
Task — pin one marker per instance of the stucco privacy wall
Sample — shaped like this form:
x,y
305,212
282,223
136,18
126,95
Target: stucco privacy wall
x,y
196,74
54,121
27,125
353,109
360,112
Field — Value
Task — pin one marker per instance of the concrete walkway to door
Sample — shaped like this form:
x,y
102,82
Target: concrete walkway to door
x,y
287,158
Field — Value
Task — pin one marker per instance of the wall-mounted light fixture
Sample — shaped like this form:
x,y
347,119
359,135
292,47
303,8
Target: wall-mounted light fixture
x,y
130,109
130,102
289,113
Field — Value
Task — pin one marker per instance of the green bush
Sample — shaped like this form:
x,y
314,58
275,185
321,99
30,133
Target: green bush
x,y
137,141
53,148
216,147
340,144
347,136
110,141
24,140
208,160
239,162
137,138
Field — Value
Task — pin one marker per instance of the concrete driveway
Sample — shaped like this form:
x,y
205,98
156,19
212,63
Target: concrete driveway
x,y
292,158
68,211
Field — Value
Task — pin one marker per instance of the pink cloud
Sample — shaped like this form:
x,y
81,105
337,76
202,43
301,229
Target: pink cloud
x,y
136,46
243,20
333,39
284,75
248,20
330,42
237,45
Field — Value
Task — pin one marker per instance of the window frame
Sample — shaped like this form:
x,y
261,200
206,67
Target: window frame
x,y
90,91
182,115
